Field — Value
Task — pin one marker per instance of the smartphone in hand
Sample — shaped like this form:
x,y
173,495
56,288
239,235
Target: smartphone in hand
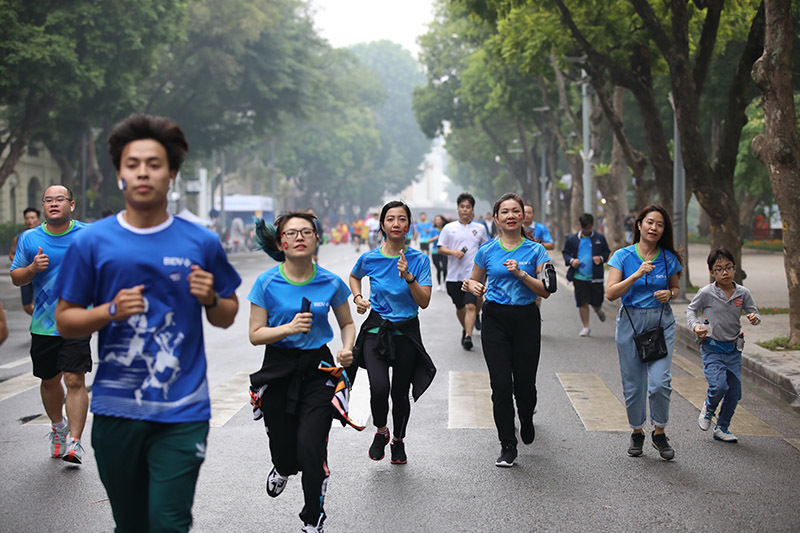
x,y
305,307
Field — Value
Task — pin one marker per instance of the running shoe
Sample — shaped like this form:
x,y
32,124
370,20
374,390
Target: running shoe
x,y
508,452
58,441
600,314
527,431
704,420
467,343
310,528
637,442
74,452
478,324
585,332
722,434
661,443
275,483
378,449
398,448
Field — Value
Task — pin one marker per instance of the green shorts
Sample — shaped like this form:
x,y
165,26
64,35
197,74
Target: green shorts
x,y
149,471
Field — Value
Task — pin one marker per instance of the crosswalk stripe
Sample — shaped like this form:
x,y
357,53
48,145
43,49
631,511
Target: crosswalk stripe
x,y
794,442
744,422
229,398
470,400
12,364
595,404
15,385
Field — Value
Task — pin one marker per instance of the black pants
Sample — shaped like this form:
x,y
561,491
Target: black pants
x,y
440,262
380,387
511,339
299,441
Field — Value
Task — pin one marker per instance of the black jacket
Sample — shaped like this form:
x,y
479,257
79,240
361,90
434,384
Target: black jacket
x,y
599,247
424,370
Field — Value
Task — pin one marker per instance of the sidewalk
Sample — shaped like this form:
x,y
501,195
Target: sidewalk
x,y
777,371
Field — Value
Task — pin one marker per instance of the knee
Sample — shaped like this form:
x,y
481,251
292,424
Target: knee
x,y
74,381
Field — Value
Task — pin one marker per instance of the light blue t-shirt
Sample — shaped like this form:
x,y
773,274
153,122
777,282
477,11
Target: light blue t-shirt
x,y
425,230
389,294
584,271
283,299
435,244
152,366
504,287
640,295
55,246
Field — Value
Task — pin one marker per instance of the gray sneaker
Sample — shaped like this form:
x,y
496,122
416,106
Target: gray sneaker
x,y
704,420
58,441
724,435
600,314
635,447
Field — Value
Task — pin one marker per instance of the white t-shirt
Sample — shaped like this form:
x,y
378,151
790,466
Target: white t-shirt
x,y
456,236
373,224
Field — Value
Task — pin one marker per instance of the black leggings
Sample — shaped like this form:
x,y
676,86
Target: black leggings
x,y
440,262
299,441
511,339
380,386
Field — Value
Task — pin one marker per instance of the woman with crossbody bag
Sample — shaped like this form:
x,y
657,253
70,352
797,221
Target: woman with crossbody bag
x,y
645,275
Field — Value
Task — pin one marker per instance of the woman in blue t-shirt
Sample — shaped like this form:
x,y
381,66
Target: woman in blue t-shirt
x,y
645,275
399,284
439,260
511,335
289,314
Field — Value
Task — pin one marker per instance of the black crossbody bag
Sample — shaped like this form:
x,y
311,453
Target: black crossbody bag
x,y
651,344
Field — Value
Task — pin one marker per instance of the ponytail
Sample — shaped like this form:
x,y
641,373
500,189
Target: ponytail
x,y
266,239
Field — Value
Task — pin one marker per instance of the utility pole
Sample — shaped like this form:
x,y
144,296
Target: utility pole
x,y
588,204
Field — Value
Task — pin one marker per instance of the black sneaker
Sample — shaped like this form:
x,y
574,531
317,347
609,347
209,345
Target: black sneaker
x,y
398,448
478,324
467,343
526,430
637,441
508,453
377,450
463,335
661,443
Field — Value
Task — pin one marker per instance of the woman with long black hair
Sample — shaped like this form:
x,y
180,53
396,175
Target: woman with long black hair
x,y
289,314
399,285
439,260
511,335
645,275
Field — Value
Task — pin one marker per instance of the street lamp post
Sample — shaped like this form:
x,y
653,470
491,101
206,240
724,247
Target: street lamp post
x,y
588,204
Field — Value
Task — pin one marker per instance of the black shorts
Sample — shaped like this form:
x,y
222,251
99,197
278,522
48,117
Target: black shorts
x,y
587,292
424,246
459,297
54,354
27,294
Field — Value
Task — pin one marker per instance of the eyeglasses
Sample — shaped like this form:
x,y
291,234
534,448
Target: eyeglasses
x,y
727,270
307,233
56,200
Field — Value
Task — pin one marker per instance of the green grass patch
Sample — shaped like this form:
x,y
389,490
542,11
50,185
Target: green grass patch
x,y
770,246
773,310
779,344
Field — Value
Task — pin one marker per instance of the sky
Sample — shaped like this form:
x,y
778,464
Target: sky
x,y
347,22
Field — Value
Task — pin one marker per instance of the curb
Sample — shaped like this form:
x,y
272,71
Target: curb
x,y
759,365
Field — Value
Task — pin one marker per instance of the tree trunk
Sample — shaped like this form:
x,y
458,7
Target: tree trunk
x,y
35,111
612,185
779,146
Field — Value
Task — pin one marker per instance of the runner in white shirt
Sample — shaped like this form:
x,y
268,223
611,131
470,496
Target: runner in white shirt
x,y
374,226
460,241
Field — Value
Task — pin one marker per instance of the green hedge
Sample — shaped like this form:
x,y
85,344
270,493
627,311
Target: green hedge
x,y
7,233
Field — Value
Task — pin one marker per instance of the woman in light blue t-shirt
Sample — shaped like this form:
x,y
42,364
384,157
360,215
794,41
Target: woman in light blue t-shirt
x,y
289,307
645,275
511,335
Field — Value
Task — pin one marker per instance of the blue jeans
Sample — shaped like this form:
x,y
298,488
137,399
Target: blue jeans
x,y
724,375
641,381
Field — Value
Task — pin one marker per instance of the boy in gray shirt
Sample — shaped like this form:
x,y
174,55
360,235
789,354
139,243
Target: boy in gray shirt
x,y
721,303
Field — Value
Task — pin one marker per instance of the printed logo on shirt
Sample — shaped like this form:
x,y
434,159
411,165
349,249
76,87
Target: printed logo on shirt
x,y
177,261
475,232
319,304
738,301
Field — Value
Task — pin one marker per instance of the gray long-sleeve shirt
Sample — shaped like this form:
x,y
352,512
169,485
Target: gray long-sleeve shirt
x,y
723,313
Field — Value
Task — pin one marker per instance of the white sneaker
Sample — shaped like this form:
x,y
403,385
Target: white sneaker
x,y
704,420
275,483
724,435
439,288
585,332
309,528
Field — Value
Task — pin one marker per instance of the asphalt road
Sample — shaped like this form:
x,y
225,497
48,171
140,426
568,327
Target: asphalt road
x,y
570,479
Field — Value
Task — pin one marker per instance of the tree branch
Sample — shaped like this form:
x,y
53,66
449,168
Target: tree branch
x,y
708,40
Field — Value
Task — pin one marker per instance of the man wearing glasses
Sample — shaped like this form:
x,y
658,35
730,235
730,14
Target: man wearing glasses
x,y
38,259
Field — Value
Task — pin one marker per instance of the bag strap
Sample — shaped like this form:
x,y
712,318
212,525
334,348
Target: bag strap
x,y
631,321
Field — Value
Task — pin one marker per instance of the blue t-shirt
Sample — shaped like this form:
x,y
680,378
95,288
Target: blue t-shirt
x,y
55,246
503,286
389,294
425,230
283,299
152,366
584,271
628,261
540,233
435,245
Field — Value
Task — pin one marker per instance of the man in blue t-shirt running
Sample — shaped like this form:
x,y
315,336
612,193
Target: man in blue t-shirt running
x,y
37,259
143,279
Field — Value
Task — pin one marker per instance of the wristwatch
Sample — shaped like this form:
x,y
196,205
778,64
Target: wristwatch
x,y
216,301
412,280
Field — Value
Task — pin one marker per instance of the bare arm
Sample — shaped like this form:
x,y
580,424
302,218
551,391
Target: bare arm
x,y
348,329
74,320
24,275
260,333
617,286
362,304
